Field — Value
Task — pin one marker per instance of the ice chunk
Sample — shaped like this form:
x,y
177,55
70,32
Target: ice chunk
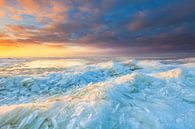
x,y
2,84
35,88
174,73
27,82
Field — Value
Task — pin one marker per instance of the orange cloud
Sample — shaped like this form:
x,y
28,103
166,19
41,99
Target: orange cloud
x,y
42,9
1,14
2,35
17,17
2,3
16,28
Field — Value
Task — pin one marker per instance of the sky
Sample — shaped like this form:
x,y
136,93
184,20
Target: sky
x,y
58,28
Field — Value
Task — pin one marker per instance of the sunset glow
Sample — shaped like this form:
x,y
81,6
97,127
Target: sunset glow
x,y
35,27
40,50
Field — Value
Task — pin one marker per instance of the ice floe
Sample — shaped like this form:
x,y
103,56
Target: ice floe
x,y
102,94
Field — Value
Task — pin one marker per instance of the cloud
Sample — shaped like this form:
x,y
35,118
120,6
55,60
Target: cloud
x,y
17,17
3,36
119,25
55,11
165,15
2,3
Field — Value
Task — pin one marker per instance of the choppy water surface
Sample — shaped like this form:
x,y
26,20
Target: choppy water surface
x,y
100,93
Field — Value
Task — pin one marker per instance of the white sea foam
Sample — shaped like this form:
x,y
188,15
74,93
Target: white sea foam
x,y
138,94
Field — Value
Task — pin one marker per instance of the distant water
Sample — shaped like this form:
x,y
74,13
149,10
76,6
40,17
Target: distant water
x,y
100,93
